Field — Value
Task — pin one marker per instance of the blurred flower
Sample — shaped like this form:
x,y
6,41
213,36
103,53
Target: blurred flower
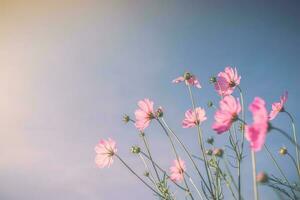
x,y
189,80
227,81
144,114
262,177
193,117
256,133
177,170
283,151
218,152
105,150
227,114
278,106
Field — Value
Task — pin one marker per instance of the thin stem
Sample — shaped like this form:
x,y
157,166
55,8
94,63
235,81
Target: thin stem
x,y
151,178
149,153
254,175
200,140
192,182
133,172
286,135
278,167
293,160
295,140
164,172
187,152
176,154
229,173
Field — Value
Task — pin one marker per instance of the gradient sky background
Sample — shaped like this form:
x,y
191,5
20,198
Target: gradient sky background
x,y
69,70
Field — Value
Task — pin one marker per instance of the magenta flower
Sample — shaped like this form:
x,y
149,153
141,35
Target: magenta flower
x,y
227,81
189,80
257,132
193,117
177,170
144,114
105,150
226,114
278,106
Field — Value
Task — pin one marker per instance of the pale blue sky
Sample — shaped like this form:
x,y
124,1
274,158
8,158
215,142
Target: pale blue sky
x,y
69,70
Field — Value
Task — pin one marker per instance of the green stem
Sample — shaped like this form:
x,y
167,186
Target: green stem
x,y
295,140
187,152
133,172
200,140
286,135
149,153
164,172
254,175
278,167
176,154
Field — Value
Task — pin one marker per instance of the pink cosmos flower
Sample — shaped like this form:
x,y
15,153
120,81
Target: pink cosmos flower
x,y
278,106
144,114
227,114
193,117
227,81
177,170
189,80
105,150
257,132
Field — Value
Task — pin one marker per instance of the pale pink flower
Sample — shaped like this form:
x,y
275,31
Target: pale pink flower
x,y
177,170
105,150
257,132
193,117
228,112
144,114
278,106
189,80
227,81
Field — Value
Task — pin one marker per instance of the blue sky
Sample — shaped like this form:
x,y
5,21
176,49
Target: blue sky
x,y
69,70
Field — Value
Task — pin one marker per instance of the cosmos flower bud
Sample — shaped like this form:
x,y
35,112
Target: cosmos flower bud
x,y
213,79
218,152
262,177
126,118
142,134
159,112
283,151
187,76
208,152
241,127
210,140
210,104
135,149
146,173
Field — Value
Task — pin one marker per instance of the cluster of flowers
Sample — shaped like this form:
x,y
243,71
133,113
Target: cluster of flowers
x,y
230,110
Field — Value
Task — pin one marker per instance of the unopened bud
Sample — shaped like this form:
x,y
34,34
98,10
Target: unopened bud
x,y
218,152
146,173
241,127
210,104
283,151
187,75
135,149
208,152
159,112
210,140
262,177
126,118
213,79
